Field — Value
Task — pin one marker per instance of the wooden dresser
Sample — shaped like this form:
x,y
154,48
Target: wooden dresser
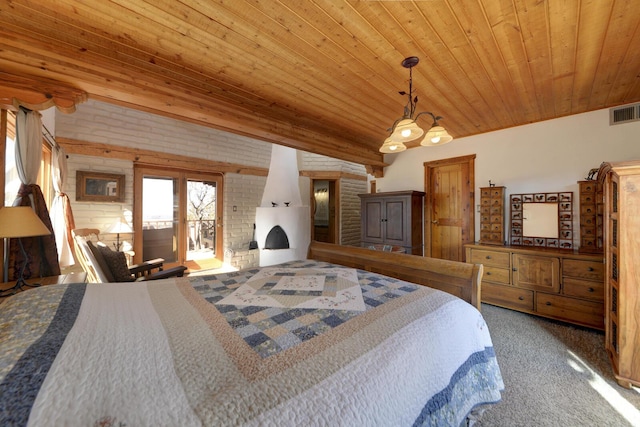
x,y
393,218
622,254
554,283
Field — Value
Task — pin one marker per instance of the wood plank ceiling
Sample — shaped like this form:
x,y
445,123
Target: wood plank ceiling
x,y
324,75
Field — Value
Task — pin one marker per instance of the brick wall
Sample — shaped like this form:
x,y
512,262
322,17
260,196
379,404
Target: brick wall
x,y
350,210
110,124
100,215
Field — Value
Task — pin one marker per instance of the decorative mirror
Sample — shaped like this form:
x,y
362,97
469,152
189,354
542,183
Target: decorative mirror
x,y
542,219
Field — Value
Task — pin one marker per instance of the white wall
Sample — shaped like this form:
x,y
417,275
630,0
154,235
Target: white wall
x,y
550,156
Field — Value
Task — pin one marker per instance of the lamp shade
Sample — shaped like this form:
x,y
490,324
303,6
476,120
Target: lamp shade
x,y
406,130
21,221
437,135
120,226
390,146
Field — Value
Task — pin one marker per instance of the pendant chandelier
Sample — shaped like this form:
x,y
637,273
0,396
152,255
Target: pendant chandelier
x,y
406,129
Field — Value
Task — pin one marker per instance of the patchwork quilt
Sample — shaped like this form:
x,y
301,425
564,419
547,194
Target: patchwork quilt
x,y
302,343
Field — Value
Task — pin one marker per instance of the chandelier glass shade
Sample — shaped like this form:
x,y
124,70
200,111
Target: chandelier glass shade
x,y
437,135
390,146
406,129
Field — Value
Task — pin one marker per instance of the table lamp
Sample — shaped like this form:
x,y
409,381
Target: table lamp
x,y
18,222
120,226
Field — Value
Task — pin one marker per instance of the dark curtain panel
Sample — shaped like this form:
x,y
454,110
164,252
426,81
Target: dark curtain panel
x,y
42,255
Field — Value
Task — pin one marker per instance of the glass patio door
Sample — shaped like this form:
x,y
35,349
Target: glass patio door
x,y
179,217
160,218
203,220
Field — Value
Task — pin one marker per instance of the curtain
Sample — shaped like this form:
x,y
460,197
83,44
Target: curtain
x,y
61,213
43,255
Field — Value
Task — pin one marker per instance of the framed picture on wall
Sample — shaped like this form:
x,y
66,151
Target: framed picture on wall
x,y
99,187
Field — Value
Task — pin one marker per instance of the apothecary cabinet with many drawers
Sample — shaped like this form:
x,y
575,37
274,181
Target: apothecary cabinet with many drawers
x,y
492,215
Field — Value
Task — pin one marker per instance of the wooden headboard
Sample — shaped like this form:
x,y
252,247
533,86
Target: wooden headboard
x,y
457,278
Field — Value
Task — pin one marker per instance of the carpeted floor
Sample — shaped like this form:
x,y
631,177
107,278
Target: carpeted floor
x,y
555,374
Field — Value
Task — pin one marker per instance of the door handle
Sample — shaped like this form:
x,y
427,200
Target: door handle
x,y
435,221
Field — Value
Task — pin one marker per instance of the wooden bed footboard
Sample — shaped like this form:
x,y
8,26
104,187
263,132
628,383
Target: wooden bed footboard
x,y
457,278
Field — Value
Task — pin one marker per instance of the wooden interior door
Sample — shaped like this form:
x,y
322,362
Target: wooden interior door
x,y
449,213
324,215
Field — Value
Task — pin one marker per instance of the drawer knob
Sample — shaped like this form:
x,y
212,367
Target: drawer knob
x,y
488,273
590,268
591,290
488,257
521,298
547,303
514,269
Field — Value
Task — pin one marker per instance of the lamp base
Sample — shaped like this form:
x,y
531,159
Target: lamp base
x,y
20,283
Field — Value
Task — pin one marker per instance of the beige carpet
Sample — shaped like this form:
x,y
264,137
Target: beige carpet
x,y
555,374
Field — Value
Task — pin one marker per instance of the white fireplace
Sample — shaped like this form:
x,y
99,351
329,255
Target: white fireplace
x,y
282,206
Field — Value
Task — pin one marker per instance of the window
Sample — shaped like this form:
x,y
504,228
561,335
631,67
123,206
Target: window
x,y
12,180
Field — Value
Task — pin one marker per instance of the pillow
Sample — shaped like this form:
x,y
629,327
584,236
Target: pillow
x,y
102,263
117,263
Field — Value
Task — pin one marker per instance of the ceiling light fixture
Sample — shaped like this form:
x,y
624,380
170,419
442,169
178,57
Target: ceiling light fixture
x,y
406,129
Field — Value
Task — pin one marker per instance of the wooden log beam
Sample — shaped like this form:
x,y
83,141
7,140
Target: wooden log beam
x,y
155,158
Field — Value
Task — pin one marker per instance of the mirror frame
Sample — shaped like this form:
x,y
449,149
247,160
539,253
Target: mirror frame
x,y
565,220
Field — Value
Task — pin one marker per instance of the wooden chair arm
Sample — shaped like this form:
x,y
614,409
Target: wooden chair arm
x,y
145,268
169,272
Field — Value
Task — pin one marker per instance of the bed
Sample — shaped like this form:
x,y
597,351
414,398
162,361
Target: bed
x,y
308,342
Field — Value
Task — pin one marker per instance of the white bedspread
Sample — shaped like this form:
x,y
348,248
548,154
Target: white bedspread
x,y
172,352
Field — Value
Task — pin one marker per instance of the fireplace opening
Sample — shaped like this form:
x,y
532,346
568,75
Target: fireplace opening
x,y
277,239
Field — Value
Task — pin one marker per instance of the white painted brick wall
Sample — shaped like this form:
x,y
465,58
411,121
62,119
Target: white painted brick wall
x,y
100,215
350,210
244,192
110,124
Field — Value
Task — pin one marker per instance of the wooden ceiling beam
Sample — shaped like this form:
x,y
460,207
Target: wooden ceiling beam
x,y
155,158
38,93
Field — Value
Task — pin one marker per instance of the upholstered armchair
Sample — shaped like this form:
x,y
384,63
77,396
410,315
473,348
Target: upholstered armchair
x,y
104,265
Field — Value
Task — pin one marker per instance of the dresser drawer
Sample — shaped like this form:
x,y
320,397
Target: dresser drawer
x,y
587,313
588,210
587,187
582,269
586,199
497,259
588,230
507,296
588,220
496,274
497,237
583,289
588,243
497,211
497,192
